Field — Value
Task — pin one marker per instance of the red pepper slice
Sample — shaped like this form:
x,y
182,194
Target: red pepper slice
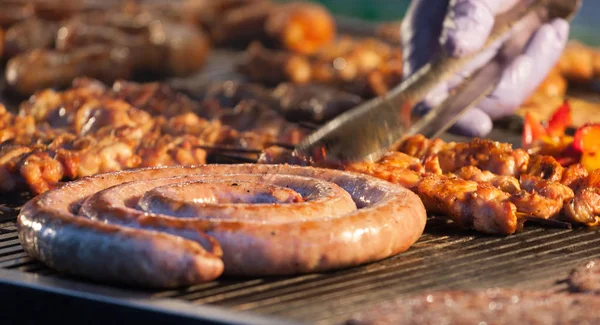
x,y
587,138
532,130
560,120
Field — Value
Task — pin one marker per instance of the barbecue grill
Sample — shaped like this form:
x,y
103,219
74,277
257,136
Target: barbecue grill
x,y
445,257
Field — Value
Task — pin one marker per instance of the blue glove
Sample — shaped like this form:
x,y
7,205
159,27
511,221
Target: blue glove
x,y
461,27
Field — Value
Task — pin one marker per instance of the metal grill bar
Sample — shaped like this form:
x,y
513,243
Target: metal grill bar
x,y
534,258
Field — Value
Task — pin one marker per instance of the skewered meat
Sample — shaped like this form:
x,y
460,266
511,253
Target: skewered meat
x,y
245,114
470,204
296,102
90,227
300,27
492,306
585,278
156,98
365,67
476,198
272,67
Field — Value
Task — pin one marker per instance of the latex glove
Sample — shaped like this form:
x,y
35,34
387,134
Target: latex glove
x,y
462,26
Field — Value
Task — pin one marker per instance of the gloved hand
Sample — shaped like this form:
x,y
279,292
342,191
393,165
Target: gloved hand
x,y
462,26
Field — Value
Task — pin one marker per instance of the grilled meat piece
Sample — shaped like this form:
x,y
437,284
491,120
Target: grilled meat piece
x,y
421,147
296,102
29,34
366,67
574,176
39,69
586,278
507,184
541,198
170,150
470,204
247,115
579,63
584,208
299,27
499,158
545,167
472,197
492,306
83,110
156,98
272,67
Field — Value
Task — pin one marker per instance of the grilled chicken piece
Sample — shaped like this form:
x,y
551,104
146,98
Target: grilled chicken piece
x,y
300,27
574,176
365,67
470,204
579,62
170,150
545,167
83,110
584,208
496,157
155,98
541,198
420,147
507,184
272,67
499,158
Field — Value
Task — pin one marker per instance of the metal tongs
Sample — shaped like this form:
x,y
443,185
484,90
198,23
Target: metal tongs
x,y
368,131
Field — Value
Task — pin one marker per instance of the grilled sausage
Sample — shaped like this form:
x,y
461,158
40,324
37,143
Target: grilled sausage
x,y
167,226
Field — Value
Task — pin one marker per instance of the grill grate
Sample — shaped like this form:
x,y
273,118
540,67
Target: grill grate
x,y
444,258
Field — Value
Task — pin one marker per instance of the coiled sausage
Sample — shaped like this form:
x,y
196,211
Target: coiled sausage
x,y
175,226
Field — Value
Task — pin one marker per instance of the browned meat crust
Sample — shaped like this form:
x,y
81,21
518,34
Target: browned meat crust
x,y
366,67
482,184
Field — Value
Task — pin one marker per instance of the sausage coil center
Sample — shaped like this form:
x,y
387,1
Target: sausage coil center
x,y
176,226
